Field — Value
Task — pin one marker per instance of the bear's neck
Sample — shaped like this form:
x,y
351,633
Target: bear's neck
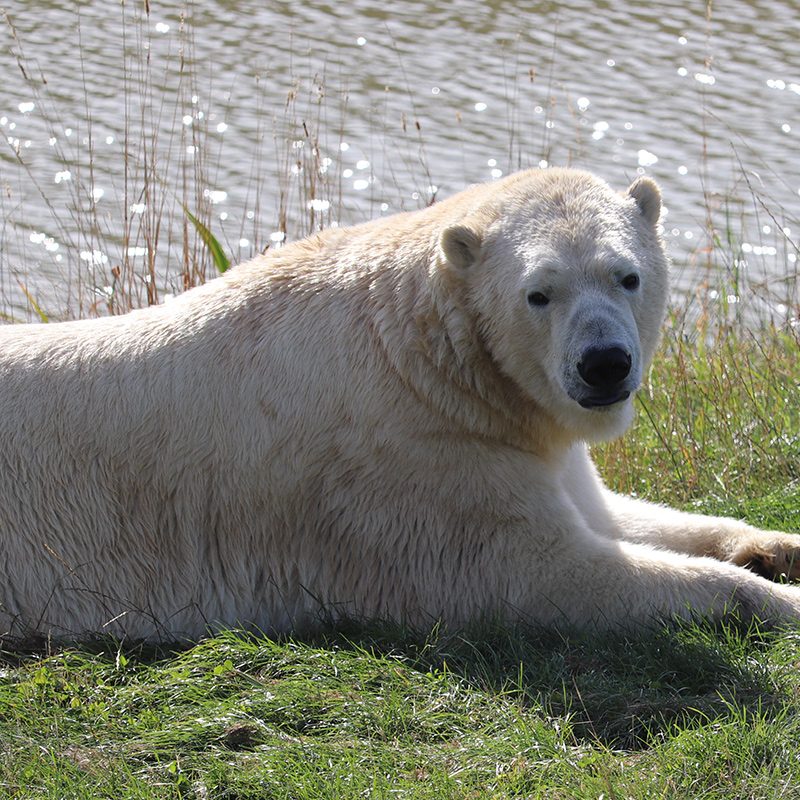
x,y
432,340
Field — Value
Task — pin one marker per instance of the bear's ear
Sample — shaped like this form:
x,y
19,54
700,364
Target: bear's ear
x,y
647,195
461,245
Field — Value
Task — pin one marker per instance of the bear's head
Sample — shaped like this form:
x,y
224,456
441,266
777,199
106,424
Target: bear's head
x,y
567,281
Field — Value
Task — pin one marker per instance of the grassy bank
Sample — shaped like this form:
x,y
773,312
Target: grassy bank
x,y
691,712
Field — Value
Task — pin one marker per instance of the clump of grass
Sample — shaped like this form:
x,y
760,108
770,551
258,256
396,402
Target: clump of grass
x,y
719,416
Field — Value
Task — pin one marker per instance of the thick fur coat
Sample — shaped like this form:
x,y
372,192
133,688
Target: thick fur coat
x,y
387,420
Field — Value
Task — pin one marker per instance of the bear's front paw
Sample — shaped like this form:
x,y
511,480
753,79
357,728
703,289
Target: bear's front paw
x,y
772,556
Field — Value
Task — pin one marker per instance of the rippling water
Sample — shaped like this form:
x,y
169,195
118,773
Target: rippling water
x,y
270,119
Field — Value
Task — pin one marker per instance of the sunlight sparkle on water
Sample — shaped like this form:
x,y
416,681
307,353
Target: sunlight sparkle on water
x,y
162,27
759,250
600,129
646,158
215,195
50,244
94,257
480,106
319,205
26,108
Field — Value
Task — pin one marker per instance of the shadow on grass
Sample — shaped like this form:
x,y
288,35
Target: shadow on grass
x,y
621,691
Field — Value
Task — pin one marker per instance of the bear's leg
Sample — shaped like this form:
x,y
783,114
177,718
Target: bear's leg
x,y
771,554
596,581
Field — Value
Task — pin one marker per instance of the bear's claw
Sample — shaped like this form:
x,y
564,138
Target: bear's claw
x,y
775,560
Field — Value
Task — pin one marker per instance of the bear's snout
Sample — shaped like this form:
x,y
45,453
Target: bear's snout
x,y
604,368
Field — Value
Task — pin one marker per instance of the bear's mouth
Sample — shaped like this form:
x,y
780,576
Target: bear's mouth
x,y
600,401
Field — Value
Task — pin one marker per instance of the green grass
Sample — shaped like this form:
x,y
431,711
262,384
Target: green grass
x,y
693,711
690,712
718,423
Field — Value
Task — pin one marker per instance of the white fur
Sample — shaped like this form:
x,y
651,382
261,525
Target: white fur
x,y
374,420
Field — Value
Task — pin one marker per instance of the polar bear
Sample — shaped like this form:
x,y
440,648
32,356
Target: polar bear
x,y
385,420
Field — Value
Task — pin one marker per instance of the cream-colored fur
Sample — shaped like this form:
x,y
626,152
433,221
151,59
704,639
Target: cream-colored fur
x,y
380,420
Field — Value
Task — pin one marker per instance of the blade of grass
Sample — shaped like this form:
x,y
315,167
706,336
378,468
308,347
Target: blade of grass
x,y
221,261
34,305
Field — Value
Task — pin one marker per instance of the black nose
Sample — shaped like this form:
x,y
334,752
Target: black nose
x,y
604,368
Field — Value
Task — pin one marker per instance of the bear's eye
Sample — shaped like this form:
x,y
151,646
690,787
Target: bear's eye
x,y
631,282
538,299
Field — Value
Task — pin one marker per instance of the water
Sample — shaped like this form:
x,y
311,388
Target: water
x,y
268,120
